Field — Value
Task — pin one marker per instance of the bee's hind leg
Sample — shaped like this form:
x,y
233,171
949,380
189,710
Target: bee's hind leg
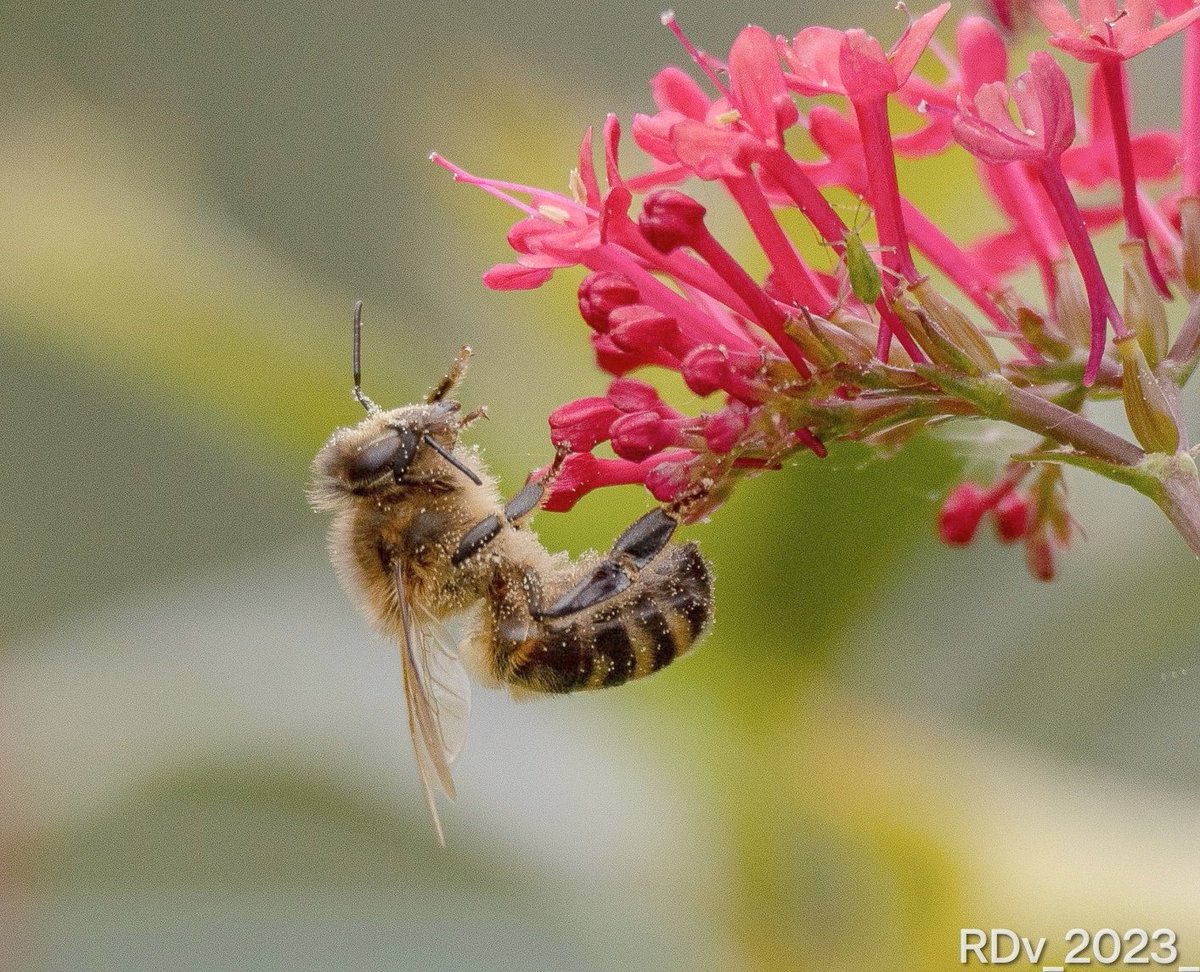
x,y
634,549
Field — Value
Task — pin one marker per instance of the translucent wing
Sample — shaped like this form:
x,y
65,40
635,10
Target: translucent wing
x,y
438,695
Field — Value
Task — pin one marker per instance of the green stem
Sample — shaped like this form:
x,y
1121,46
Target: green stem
x,y
1179,498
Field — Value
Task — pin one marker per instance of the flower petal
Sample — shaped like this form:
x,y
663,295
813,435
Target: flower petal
x,y
757,86
912,43
513,276
866,71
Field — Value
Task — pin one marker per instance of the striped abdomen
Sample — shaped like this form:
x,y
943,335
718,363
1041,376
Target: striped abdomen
x,y
653,621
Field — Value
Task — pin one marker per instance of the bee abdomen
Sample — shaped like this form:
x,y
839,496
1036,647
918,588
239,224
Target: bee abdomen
x,y
658,618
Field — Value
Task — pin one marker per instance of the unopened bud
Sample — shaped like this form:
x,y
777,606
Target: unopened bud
x,y
1143,307
642,434
1012,517
632,395
641,328
602,293
723,430
582,424
705,369
1039,556
671,219
667,480
1150,415
959,517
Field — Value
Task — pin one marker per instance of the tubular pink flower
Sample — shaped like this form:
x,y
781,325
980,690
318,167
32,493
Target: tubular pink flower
x,y
838,138
670,220
1116,87
1190,95
757,87
1113,153
799,357
582,473
1102,32
1043,97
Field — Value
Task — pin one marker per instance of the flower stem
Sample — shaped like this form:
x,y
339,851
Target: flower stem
x,y
1100,302
880,161
1179,498
1116,89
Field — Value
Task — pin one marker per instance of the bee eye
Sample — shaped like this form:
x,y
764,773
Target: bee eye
x,y
394,449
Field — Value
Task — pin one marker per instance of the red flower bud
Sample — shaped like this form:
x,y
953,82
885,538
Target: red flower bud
x,y
631,395
723,430
705,369
960,514
602,293
642,434
667,480
670,219
1012,517
641,328
1039,556
582,424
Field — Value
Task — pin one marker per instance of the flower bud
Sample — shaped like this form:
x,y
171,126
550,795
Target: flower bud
x,y
959,517
602,293
641,328
671,219
1143,307
632,395
582,424
723,430
957,326
1011,515
642,434
705,369
1150,414
1039,556
668,479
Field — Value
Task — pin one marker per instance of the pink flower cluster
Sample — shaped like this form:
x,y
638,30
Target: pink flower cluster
x,y
872,350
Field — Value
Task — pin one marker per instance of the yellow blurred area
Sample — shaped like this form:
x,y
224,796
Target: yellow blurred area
x,y
204,760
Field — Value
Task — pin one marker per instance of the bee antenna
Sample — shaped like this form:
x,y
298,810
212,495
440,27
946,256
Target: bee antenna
x,y
365,402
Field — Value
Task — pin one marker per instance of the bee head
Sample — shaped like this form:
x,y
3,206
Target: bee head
x,y
390,451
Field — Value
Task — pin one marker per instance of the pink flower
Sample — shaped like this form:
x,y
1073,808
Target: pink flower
x,y
783,353
986,129
1103,32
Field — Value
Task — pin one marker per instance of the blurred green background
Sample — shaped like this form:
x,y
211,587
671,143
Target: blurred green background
x,y
204,761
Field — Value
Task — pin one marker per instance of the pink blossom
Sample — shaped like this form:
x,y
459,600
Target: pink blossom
x,y
784,354
1103,32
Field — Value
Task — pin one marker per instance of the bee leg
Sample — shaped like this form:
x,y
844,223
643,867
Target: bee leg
x,y
517,509
457,370
634,549
475,414
531,496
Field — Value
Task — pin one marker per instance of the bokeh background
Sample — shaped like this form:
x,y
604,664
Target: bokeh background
x,y
204,761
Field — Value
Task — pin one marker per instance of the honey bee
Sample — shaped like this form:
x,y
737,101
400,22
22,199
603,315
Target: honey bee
x,y
420,535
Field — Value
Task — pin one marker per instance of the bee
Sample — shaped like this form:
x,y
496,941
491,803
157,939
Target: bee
x,y
420,534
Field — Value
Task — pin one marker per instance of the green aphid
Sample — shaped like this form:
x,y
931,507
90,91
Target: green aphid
x,y
864,276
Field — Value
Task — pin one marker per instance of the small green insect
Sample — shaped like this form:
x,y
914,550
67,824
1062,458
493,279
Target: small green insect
x,y
865,280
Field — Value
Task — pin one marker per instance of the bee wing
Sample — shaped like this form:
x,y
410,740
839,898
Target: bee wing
x,y
438,697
